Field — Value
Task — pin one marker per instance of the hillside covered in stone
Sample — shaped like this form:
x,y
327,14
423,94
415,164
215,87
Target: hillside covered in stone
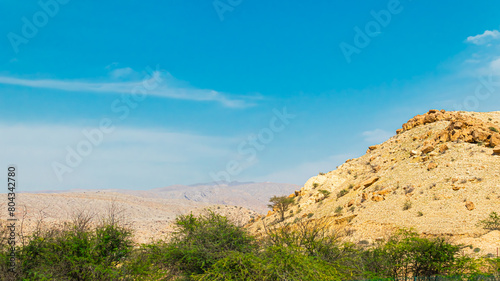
x,y
440,175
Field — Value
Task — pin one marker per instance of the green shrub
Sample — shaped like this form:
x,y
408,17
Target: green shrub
x,y
407,205
275,263
201,241
494,129
492,222
342,193
407,255
338,210
74,253
325,193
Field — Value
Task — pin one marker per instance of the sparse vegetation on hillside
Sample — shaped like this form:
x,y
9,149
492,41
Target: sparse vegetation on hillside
x,y
325,193
492,222
342,193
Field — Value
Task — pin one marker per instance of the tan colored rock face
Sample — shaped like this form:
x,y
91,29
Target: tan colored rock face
x,y
459,167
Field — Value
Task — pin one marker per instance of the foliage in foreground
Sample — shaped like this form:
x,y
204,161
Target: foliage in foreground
x,y
210,247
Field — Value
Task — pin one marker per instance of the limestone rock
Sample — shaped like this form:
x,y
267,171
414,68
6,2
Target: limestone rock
x,y
377,198
431,166
443,147
496,150
351,203
428,148
369,182
495,140
383,192
364,196
469,205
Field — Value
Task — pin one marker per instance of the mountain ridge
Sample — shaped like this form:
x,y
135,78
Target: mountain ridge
x,y
439,175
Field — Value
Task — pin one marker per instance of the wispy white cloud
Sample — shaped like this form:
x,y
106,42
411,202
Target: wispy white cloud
x,y
377,136
122,72
484,38
167,87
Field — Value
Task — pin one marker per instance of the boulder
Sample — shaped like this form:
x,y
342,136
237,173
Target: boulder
x,y
377,198
364,196
351,203
443,147
383,192
431,166
428,148
469,205
495,140
414,152
496,150
369,182
479,135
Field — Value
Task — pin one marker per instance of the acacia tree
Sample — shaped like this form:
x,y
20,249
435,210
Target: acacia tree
x,y
280,204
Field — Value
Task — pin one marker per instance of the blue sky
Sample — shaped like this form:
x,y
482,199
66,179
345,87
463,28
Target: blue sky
x,y
172,92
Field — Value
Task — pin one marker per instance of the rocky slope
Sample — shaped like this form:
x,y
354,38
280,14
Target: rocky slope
x,y
440,174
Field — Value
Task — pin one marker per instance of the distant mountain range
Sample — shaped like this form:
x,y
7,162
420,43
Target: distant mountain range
x,y
251,195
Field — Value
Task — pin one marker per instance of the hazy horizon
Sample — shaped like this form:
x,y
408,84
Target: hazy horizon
x,y
140,95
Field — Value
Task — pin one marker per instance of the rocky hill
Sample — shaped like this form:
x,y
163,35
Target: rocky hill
x,y
440,174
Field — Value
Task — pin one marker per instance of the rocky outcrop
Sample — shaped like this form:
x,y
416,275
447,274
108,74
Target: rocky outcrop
x,y
461,127
469,205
